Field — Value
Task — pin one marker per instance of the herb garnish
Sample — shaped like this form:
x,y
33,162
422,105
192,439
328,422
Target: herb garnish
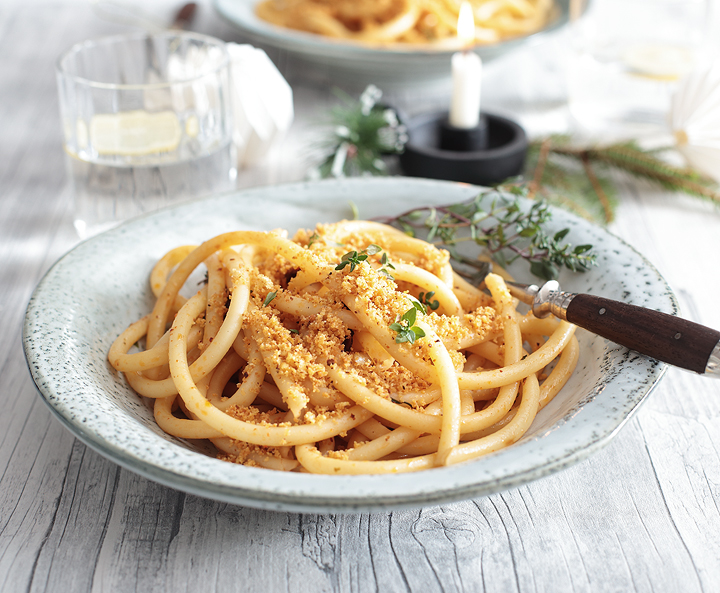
x,y
400,403
386,266
270,296
355,258
315,237
405,326
426,299
505,228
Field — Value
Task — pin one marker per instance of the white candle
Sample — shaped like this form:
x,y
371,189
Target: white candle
x,y
466,76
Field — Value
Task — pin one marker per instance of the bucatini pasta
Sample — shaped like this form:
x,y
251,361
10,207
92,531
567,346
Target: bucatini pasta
x,y
383,22
349,349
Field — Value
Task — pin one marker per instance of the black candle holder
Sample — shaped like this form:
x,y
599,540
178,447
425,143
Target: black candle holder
x,y
485,155
464,139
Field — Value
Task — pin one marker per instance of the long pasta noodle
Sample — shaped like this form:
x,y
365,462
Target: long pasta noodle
x,y
407,22
347,349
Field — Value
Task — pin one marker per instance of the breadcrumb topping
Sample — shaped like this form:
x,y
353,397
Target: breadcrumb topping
x,y
284,324
298,348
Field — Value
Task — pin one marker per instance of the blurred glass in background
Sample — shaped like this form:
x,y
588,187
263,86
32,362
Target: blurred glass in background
x,y
626,59
147,120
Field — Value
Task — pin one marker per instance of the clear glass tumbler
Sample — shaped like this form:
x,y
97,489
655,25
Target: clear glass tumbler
x,y
147,121
628,58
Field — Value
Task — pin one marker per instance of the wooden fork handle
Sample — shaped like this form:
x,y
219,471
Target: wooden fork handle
x,y
667,338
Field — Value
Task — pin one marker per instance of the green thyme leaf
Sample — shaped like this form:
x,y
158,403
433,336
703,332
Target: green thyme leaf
x,y
405,335
405,327
426,299
418,306
504,227
399,403
560,235
418,331
410,317
270,296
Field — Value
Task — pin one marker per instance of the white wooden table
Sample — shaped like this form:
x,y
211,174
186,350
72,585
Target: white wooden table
x,y
641,515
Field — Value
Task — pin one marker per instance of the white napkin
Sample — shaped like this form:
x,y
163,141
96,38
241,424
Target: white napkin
x,y
262,103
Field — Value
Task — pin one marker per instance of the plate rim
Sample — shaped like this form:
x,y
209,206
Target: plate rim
x,y
277,501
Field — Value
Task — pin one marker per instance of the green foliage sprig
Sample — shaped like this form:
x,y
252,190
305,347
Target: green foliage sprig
x,y
496,220
579,177
270,296
404,326
386,266
355,258
363,132
427,300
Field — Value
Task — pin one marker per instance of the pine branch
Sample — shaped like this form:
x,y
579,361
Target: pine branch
x,y
536,182
595,182
632,159
644,164
578,177
567,181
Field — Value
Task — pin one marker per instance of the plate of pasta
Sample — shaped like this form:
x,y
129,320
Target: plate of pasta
x,y
390,41
266,349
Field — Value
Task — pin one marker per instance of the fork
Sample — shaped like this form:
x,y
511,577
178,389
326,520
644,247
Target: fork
x,y
667,338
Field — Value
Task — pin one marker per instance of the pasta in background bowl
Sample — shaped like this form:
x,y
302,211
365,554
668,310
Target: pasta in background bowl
x,y
394,23
384,64
98,288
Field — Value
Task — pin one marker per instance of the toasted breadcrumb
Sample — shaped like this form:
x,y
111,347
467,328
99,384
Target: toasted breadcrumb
x,y
243,453
298,348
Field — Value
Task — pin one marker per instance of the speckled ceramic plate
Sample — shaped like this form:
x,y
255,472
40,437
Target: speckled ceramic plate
x,y
98,288
386,66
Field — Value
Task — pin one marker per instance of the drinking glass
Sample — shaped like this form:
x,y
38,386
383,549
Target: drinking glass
x,y
147,120
628,58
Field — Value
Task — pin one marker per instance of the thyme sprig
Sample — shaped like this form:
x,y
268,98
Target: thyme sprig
x,y
313,238
386,266
355,258
404,326
497,221
426,299
270,296
352,259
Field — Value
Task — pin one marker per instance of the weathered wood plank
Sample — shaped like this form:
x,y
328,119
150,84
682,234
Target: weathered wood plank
x,y
641,515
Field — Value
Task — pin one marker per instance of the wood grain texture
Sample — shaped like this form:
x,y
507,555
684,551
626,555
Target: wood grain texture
x,y
669,338
641,515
